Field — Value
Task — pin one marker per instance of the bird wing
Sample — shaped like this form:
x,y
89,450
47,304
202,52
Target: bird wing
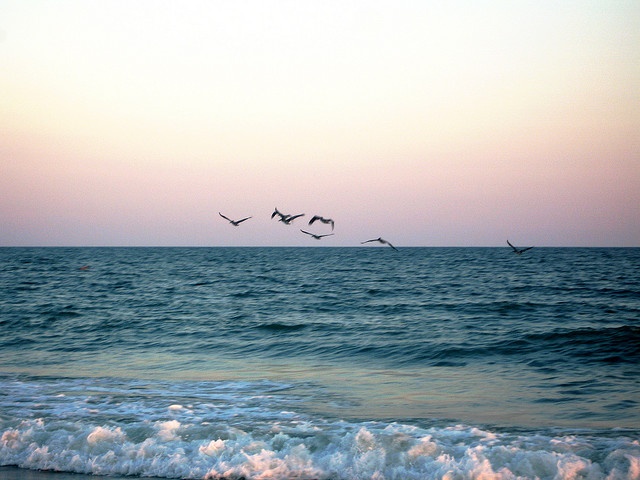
x,y
240,221
372,240
314,218
293,217
303,231
226,218
514,248
327,235
525,249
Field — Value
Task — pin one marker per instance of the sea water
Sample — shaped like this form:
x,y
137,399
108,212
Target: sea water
x,y
321,363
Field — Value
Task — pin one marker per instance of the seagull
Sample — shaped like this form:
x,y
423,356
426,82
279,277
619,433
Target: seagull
x,y
323,220
380,240
317,237
519,251
235,223
287,219
284,218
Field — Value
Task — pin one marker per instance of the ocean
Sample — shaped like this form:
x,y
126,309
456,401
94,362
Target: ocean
x,y
320,363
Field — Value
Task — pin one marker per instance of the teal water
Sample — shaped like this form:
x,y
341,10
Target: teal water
x,y
321,362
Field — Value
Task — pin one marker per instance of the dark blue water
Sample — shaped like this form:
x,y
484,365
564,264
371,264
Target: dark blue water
x,y
321,362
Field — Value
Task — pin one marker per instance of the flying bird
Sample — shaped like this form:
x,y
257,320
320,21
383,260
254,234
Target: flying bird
x,y
235,223
380,240
287,219
323,220
317,237
519,251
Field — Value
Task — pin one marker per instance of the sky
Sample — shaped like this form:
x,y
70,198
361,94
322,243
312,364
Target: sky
x,y
462,123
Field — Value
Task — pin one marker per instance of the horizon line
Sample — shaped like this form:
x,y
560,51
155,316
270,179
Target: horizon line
x,y
309,246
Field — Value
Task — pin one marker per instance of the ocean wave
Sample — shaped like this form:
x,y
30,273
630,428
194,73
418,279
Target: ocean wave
x,y
246,430
309,452
281,327
567,347
619,344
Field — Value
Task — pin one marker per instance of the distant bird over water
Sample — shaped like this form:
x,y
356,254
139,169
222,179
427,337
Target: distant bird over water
x,y
235,223
317,237
290,218
518,251
284,218
323,220
380,240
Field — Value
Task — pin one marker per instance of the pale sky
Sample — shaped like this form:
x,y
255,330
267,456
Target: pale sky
x,y
459,123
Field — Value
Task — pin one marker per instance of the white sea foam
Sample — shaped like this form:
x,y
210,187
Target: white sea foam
x,y
332,451
236,430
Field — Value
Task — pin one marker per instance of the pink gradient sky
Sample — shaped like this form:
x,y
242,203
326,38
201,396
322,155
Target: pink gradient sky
x,y
464,124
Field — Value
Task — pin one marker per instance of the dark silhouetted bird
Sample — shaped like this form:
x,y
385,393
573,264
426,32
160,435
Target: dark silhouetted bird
x,y
317,237
235,223
284,218
519,251
323,220
380,240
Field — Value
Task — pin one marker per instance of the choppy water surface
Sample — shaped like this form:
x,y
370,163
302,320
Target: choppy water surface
x,y
321,362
